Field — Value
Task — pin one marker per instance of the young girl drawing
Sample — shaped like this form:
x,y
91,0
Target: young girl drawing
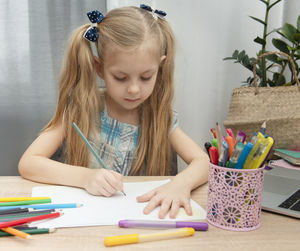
x,y
130,122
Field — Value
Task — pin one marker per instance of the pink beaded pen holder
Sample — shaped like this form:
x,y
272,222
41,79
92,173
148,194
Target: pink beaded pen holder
x,y
234,198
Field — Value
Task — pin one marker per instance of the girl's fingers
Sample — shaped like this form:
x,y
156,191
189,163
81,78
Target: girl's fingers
x,y
188,208
146,197
114,181
164,209
153,203
174,209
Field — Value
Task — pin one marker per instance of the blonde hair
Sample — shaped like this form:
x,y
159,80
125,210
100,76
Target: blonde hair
x,y
80,101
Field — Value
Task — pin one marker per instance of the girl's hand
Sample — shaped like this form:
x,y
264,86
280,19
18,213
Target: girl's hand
x,y
103,182
170,196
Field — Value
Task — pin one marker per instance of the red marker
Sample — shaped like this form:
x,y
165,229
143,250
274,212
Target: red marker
x,y
213,154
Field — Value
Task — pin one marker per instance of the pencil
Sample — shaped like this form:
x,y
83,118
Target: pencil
x,y
10,217
90,147
32,231
11,199
47,206
16,232
29,219
263,127
14,211
219,138
25,202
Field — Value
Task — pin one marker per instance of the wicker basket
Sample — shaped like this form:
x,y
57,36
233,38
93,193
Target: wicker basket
x,y
278,106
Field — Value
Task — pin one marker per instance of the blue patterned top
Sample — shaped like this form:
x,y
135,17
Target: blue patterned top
x,y
117,143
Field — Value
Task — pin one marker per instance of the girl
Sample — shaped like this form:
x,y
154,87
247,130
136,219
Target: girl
x,y
130,123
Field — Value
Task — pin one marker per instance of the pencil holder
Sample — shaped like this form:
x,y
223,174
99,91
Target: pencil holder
x,y
234,198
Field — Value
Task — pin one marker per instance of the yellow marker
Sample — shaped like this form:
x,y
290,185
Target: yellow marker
x,y
136,238
264,150
249,161
13,199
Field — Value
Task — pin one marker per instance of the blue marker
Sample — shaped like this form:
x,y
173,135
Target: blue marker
x,y
243,156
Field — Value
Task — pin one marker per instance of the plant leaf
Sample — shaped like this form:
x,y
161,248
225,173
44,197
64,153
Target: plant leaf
x,y
258,20
259,40
241,55
289,31
235,54
274,58
265,2
298,23
297,37
273,4
279,79
280,45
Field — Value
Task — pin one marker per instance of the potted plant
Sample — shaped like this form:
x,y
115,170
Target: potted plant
x,y
278,102
269,65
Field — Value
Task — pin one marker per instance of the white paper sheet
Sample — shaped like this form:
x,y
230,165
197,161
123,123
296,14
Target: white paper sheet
x,y
98,210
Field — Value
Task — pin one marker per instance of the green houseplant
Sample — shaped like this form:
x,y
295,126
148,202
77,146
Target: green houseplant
x,y
278,101
270,69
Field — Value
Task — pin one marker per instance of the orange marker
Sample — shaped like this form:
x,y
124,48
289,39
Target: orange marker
x,y
230,142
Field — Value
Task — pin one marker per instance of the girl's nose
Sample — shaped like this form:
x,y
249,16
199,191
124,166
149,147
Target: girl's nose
x,y
133,87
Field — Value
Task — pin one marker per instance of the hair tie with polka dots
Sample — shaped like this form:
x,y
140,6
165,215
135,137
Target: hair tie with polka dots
x,y
91,33
155,13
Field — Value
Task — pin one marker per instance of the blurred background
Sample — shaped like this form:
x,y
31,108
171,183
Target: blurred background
x,y
33,37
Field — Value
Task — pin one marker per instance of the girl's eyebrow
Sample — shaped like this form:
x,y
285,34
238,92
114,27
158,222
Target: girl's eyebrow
x,y
122,72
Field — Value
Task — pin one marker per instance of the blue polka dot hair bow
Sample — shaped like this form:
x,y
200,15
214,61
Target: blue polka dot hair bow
x,y
91,33
159,13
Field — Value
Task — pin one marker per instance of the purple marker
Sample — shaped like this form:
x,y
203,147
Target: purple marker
x,y
198,226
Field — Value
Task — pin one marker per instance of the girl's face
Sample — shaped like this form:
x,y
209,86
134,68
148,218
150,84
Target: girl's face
x,y
130,76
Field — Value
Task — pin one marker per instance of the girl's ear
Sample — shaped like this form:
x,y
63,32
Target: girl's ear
x,y
98,67
162,59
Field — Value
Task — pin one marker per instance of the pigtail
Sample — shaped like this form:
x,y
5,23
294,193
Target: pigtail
x,y
78,99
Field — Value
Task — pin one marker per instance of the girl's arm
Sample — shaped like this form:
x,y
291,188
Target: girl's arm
x,y
176,193
36,165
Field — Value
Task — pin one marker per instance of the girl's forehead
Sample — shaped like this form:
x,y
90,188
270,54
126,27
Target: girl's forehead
x,y
147,47
145,54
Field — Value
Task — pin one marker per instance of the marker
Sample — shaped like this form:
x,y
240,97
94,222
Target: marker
x,y
214,142
136,238
260,140
198,226
244,154
213,132
230,142
87,143
238,148
213,154
207,145
264,150
229,132
224,154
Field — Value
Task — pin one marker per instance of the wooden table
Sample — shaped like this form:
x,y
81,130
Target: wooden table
x,y
276,232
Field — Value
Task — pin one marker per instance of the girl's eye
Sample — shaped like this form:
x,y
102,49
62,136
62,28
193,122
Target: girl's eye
x,y
146,78
121,79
